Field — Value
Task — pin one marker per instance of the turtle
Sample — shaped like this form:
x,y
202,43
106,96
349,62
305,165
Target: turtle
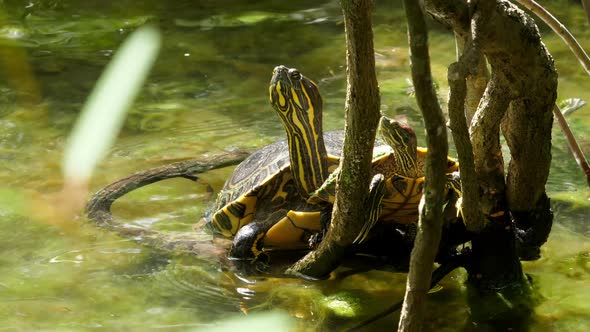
x,y
401,162
279,177
274,183
272,197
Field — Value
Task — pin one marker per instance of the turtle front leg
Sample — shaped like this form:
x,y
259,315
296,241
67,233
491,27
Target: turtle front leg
x,y
453,185
372,207
249,240
454,182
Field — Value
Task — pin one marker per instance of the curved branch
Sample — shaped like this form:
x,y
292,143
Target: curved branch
x,y
99,206
430,220
485,139
477,74
560,29
469,184
584,60
572,143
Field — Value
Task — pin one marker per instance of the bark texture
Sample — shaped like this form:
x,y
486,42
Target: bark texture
x,y
518,98
485,138
470,211
476,74
431,214
476,85
362,117
521,93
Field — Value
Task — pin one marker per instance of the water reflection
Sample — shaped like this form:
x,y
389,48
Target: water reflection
x,y
213,100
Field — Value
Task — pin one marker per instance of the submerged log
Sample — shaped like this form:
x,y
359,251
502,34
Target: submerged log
x,y
98,208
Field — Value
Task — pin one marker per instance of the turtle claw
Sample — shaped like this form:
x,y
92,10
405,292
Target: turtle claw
x,y
372,207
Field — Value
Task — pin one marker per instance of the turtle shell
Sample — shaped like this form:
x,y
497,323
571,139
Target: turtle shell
x,y
402,194
258,184
263,166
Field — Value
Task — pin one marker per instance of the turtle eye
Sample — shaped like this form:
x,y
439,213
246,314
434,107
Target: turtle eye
x,y
294,74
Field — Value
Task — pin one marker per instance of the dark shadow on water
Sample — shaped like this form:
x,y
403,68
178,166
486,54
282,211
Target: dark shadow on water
x,y
508,309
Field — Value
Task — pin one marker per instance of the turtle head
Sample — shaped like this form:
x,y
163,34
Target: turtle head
x,y
297,101
402,139
294,96
399,135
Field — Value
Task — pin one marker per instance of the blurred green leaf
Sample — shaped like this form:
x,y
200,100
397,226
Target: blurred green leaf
x,y
104,112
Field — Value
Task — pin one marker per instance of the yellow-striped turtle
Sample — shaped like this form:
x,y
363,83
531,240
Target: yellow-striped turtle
x,y
401,163
279,177
265,201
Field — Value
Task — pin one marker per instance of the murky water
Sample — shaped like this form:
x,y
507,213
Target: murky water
x,y
207,94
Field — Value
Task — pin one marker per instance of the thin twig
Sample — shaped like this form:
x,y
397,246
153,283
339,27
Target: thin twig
x,y
582,56
99,206
572,143
470,211
586,6
430,221
560,29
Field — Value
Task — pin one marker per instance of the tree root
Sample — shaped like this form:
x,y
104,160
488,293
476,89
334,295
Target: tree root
x,y
98,208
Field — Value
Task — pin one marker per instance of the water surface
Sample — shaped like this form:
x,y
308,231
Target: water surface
x,y
207,94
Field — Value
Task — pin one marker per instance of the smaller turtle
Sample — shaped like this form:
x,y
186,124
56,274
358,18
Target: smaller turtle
x,y
401,163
